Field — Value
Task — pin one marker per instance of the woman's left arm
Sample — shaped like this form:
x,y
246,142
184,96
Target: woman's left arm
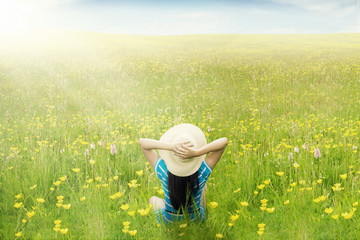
x,y
148,147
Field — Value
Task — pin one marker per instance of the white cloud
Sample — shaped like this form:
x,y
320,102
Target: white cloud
x,y
198,15
258,11
288,31
321,5
38,3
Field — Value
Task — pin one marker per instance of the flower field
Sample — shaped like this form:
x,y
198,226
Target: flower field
x,y
73,106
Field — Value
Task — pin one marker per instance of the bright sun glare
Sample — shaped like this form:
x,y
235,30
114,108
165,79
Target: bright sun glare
x,y
16,16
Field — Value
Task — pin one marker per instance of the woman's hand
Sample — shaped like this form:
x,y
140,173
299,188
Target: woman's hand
x,y
185,150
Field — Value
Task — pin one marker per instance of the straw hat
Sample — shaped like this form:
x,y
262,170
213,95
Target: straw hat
x,y
179,134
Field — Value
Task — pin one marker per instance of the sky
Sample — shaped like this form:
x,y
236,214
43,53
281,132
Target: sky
x,y
170,17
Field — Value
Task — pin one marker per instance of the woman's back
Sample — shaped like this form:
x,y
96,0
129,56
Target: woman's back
x,y
194,211
182,151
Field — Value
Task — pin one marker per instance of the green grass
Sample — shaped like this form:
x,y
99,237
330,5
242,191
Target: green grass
x,y
267,94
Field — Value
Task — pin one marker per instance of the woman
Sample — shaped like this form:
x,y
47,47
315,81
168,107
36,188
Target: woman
x,y
183,170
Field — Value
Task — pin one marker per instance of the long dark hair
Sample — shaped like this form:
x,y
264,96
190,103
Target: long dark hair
x,y
182,190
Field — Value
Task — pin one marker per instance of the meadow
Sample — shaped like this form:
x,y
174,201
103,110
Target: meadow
x,y
289,105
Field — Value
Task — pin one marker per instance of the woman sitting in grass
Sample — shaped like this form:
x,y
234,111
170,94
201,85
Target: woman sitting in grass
x,y
183,171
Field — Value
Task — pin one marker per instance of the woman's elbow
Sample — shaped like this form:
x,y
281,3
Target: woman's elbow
x,y
141,141
225,141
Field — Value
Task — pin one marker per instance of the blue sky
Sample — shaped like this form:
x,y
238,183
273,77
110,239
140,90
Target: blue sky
x,y
172,17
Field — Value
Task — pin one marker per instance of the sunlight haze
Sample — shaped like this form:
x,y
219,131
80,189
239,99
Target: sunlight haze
x,y
185,17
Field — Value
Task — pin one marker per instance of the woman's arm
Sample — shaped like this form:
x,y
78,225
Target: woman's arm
x,y
148,147
149,144
215,150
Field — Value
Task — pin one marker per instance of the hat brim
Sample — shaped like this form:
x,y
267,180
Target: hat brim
x,y
179,134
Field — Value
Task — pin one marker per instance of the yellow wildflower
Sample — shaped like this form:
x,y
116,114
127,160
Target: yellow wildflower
x,y
131,213
244,204
67,206
143,212
33,187
62,178
18,234
337,187
76,170
237,190
261,225
286,202
260,233
124,207
328,210
261,186
322,198
82,199
18,205
270,210
280,173
90,180
57,183
214,204
133,184
335,216
18,196
60,197
140,172
57,222
347,215
64,231
126,224
234,217
266,182
343,176
355,204
183,225
219,235
30,214
40,200
132,232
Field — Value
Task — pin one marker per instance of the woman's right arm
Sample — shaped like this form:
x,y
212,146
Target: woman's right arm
x,y
148,147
